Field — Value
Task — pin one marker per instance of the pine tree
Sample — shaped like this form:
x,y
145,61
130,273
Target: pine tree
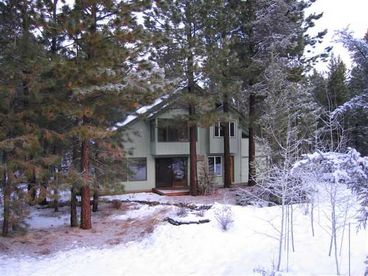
x,y
270,30
356,106
338,92
221,65
331,92
22,62
180,51
103,75
290,123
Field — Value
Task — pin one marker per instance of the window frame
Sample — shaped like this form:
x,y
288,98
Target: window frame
x,y
214,171
220,133
134,159
167,132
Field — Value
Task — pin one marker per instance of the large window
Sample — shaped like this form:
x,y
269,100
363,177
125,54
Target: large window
x,y
170,130
215,165
219,129
137,169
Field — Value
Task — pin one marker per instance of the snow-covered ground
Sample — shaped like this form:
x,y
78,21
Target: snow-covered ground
x,y
39,220
247,248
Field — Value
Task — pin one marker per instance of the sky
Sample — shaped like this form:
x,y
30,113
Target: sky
x,y
337,15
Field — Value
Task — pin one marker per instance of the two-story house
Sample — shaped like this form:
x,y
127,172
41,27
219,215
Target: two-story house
x,y
157,143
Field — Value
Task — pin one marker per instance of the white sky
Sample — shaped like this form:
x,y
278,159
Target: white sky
x,y
337,15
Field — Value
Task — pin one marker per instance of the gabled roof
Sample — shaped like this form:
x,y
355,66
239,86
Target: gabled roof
x,y
148,111
163,103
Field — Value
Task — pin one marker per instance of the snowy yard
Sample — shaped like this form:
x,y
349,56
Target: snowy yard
x,y
136,240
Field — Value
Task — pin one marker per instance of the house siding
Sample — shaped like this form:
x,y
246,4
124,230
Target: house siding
x,y
138,145
141,145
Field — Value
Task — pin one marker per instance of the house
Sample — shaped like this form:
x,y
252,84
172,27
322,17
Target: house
x,y
157,142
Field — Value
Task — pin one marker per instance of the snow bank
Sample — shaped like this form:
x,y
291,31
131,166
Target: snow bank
x,y
250,243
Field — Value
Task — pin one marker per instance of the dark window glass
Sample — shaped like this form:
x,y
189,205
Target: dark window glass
x,y
170,130
219,130
232,129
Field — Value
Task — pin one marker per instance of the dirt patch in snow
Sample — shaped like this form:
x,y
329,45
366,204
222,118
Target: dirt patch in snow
x,y
132,222
106,231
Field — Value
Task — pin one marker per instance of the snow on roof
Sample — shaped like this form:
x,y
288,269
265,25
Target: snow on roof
x,y
140,111
144,109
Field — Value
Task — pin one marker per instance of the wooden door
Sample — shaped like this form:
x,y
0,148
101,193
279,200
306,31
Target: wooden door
x,y
163,173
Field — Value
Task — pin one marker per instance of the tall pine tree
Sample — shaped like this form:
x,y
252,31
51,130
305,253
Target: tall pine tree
x,y
180,51
104,76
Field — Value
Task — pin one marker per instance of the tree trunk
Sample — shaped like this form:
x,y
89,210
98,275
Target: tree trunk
x,y
252,144
86,193
56,200
43,194
73,192
86,208
193,155
6,214
227,157
95,201
192,111
32,188
73,209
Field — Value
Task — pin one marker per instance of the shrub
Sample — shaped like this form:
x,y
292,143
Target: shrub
x,y
224,217
200,213
206,180
182,212
116,204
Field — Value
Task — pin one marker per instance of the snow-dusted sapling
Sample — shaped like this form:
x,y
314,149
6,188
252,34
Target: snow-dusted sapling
x,y
336,173
224,217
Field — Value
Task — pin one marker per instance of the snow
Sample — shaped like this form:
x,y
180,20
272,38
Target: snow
x,y
45,218
135,196
144,211
140,111
249,245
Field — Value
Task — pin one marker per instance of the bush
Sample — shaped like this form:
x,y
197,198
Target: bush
x,y
206,180
182,212
224,217
200,213
116,204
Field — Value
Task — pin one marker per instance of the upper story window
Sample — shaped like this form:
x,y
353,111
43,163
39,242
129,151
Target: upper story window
x,y
170,130
219,129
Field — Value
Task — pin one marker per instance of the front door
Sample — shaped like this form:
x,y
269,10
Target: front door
x,y
171,172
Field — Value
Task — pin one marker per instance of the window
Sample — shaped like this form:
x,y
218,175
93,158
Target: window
x,y
215,165
219,129
170,130
232,129
137,169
